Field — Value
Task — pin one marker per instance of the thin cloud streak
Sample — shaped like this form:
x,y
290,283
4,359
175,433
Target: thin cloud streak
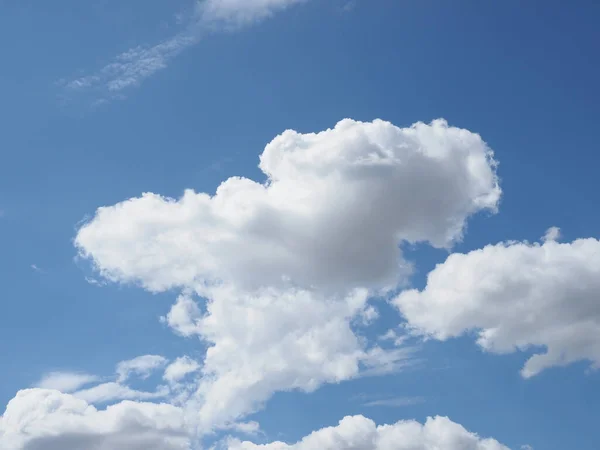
x,y
132,67
396,402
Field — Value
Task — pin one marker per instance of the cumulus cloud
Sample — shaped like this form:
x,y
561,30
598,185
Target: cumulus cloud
x,y
516,296
141,366
66,381
39,419
360,433
330,216
278,340
286,267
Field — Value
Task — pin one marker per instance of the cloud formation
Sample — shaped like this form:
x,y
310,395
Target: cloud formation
x,y
40,419
516,296
286,267
130,68
179,369
330,216
360,433
141,366
278,340
276,278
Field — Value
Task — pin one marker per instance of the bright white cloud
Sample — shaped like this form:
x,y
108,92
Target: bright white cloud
x,y
287,266
180,368
142,366
360,433
39,419
65,381
330,216
516,296
278,340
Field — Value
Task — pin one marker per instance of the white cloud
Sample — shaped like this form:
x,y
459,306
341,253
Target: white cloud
x,y
142,366
276,341
287,266
516,296
109,392
248,428
330,216
180,368
38,419
183,317
65,381
360,433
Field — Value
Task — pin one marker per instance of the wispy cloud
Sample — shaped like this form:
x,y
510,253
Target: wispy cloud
x,y
36,268
132,67
66,381
95,282
349,6
396,402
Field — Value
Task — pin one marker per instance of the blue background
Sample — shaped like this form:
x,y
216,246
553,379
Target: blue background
x,y
522,74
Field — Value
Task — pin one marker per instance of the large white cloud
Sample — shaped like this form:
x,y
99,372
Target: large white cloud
x,y
39,419
360,433
287,266
516,296
330,216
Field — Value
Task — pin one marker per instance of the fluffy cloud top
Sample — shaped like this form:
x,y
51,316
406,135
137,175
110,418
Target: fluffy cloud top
x,y
516,296
360,433
330,216
39,419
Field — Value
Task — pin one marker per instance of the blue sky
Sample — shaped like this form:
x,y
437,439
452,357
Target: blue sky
x,y
523,75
